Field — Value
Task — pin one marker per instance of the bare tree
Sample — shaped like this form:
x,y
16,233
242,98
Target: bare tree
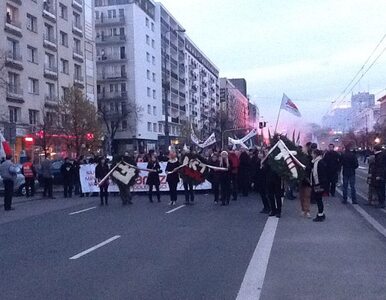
x,y
114,118
78,120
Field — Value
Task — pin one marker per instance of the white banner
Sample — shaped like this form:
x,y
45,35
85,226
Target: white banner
x,y
242,141
88,183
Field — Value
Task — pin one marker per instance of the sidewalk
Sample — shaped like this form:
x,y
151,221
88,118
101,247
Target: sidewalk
x,y
341,258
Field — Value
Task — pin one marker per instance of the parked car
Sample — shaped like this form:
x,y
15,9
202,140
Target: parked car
x,y
56,165
19,186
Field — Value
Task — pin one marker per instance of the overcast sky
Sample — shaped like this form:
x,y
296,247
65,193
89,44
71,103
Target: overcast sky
x,y
308,49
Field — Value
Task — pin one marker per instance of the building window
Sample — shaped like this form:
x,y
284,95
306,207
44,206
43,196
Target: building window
x,y
147,22
32,23
160,128
149,109
14,114
153,44
154,110
124,125
152,26
154,94
148,74
148,92
63,11
65,91
77,22
64,39
32,54
64,66
147,40
33,86
50,91
155,127
77,71
148,56
33,116
153,60
148,126
153,77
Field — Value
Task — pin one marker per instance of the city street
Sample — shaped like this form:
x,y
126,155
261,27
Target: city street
x,y
75,249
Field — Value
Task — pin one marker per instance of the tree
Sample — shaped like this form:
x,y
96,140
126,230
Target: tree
x,y
78,121
113,120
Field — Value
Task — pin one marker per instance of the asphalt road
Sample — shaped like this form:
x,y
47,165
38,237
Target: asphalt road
x,y
196,252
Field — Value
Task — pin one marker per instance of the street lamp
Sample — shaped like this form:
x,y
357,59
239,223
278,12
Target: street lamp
x,y
377,140
166,87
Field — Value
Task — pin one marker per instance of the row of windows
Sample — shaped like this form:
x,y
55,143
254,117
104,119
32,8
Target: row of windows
x,y
15,115
149,93
150,75
149,110
152,127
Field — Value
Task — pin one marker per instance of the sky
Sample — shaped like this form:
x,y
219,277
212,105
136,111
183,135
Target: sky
x,y
308,49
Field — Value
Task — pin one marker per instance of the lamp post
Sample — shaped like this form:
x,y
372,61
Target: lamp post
x,y
166,88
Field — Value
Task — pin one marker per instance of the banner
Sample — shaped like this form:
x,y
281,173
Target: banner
x,y
203,144
242,141
88,182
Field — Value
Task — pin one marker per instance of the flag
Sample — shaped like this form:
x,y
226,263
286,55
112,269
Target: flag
x,y
5,149
288,105
125,174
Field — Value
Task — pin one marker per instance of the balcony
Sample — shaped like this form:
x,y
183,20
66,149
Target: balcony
x,y
49,12
77,29
14,60
79,81
15,93
120,20
77,54
120,95
112,76
13,26
50,99
111,39
77,4
50,71
49,41
111,58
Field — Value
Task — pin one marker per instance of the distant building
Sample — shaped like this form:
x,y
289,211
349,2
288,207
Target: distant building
x,y
382,111
362,100
338,120
253,115
241,85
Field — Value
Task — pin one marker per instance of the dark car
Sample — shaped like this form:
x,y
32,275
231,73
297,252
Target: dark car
x,y
55,169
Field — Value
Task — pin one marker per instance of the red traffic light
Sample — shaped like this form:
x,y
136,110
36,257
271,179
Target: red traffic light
x,y
29,139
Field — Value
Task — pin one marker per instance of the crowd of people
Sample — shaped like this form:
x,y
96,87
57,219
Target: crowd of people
x,y
232,173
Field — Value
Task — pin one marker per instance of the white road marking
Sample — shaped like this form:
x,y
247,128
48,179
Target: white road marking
x,y
254,277
80,211
368,218
177,208
95,247
363,168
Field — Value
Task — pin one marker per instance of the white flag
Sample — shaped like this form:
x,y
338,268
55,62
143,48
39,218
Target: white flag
x,y
288,105
124,173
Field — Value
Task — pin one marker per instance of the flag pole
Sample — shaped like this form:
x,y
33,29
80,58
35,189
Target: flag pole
x,y
277,120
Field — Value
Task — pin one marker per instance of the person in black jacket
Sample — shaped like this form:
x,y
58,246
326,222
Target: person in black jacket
x,y
260,181
332,160
215,176
349,164
153,177
68,175
172,177
319,182
378,175
244,173
101,170
225,179
274,189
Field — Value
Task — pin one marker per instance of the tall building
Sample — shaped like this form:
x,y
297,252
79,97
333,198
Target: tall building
x,y
362,100
48,46
234,106
202,91
253,115
129,70
241,85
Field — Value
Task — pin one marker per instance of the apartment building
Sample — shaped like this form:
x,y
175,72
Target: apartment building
x,y
129,70
234,106
48,46
202,91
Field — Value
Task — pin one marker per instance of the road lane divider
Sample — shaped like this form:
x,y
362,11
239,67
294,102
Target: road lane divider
x,y
177,208
95,247
364,214
253,281
81,211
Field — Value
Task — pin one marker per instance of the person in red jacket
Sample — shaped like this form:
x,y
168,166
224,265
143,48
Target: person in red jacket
x,y
235,163
29,172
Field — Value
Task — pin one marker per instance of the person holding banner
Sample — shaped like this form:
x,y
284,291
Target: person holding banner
x,y
215,176
225,179
186,179
153,177
101,171
172,176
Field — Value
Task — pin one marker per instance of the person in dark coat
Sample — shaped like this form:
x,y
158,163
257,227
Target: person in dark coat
x,y
101,170
215,176
378,173
260,181
235,163
274,190
332,160
153,177
124,189
68,175
349,164
187,181
244,173
225,179
319,182
172,178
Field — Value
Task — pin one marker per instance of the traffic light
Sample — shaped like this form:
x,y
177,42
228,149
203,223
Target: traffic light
x,y
29,141
262,125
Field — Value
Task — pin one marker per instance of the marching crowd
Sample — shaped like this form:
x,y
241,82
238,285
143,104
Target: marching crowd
x,y
231,173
